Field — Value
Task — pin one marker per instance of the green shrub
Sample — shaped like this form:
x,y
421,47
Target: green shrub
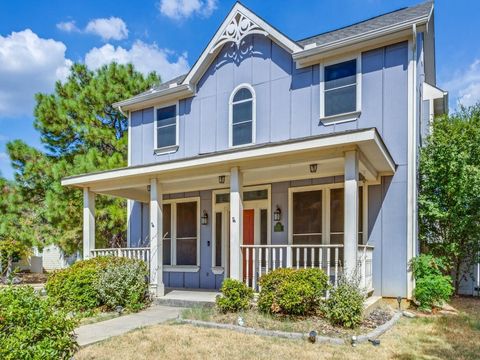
x,y
77,287
291,291
345,304
236,296
30,328
432,288
123,285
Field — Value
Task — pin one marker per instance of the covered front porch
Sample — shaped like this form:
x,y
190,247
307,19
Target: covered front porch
x,y
245,212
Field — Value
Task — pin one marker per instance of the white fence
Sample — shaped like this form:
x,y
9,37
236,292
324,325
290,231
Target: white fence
x,y
259,260
131,253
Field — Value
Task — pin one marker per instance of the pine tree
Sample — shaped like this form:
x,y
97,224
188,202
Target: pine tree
x,y
81,132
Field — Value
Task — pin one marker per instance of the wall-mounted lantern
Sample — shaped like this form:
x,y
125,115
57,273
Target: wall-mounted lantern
x,y
277,214
313,168
204,218
221,179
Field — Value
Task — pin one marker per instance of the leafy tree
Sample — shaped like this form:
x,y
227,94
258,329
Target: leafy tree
x,y
81,132
449,200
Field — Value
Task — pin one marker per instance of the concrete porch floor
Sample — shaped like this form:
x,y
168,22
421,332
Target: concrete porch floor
x,y
187,297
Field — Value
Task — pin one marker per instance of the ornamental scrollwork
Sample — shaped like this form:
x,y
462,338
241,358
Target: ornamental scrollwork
x,y
239,27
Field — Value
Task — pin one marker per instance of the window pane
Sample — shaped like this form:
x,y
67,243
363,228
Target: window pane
x,y
187,219
167,251
167,115
166,136
187,251
341,100
255,195
218,239
337,213
307,216
222,198
242,94
166,223
263,227
340,74
167,216
242,112
242,134
360,215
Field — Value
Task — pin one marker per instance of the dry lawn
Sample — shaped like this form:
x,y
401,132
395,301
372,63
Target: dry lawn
x,y
436,337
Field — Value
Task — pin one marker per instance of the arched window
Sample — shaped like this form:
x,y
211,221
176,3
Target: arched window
x,y
242,115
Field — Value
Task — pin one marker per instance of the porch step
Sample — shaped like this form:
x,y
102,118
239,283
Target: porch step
x,y
187,298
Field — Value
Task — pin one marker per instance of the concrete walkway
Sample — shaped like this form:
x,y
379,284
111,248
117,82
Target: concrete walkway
x,y
156,314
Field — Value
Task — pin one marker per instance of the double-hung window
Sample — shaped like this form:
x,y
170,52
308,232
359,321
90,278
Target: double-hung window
x,y
242,116
341,89
166,127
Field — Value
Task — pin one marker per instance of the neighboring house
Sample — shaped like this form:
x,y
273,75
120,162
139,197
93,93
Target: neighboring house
x,y
273,152
53,258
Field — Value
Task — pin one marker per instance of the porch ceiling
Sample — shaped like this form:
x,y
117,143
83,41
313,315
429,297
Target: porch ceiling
x,y
272,162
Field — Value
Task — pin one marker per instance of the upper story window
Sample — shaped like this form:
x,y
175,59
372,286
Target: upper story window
x,y
242,116
341,89
166,127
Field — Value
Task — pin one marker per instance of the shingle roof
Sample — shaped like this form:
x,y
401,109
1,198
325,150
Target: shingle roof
x,y
378,22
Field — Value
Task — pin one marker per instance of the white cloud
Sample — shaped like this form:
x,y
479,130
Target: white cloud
x,y
145,57
464,85
68,26
28,64
182,9
113,28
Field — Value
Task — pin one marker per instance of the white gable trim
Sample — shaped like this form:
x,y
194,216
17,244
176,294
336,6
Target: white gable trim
x,y
239,23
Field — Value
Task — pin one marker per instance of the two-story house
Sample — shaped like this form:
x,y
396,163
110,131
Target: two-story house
x,y
272,152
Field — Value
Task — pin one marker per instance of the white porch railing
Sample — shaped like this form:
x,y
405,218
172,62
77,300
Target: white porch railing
x,y
259,260
142,253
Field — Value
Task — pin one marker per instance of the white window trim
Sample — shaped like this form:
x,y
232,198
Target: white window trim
x,y
173,237
344,117
325,188
230,115
170,148
225,207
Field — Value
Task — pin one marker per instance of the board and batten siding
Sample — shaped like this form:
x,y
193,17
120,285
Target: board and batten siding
x,y
288,107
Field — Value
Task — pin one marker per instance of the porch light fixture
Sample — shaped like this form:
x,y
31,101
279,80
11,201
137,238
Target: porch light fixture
x,y
277,214
313,168
148,188
221,179
204,218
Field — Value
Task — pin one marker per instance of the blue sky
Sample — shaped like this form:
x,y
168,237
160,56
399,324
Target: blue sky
x,y
39,40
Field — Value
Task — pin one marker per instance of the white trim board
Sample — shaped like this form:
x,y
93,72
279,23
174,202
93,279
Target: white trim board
x,y
359,138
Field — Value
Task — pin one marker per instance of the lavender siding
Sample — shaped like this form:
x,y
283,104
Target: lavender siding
x,y
288,103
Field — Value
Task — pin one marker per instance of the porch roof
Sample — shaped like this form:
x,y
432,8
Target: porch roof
x,y
261,163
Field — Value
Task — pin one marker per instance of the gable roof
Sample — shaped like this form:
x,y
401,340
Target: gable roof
x,y
241,22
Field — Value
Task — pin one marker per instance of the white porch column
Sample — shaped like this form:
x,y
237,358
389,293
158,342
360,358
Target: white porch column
x,y
88,222
156,239
351,212
236,223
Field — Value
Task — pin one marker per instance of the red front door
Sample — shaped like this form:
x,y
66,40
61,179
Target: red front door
x,y
248,239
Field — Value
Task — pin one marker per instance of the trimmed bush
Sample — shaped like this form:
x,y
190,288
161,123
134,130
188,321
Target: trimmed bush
x,y
236,296
344,306
432,288
30,328
77,288
123,285
292,291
